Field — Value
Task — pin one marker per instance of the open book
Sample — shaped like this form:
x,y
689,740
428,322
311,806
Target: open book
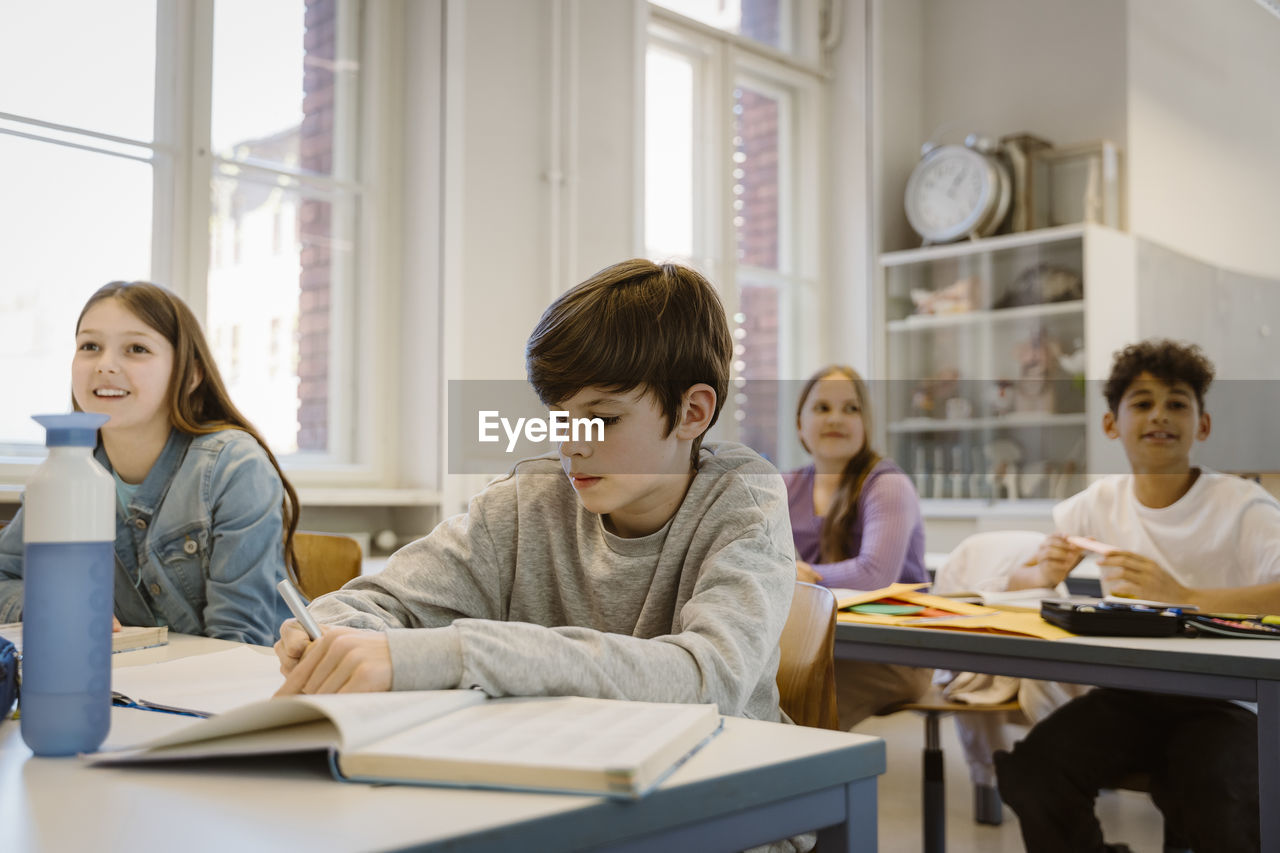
x,y
127,639
456,737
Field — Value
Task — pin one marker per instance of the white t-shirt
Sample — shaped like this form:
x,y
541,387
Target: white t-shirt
x,y
1224,532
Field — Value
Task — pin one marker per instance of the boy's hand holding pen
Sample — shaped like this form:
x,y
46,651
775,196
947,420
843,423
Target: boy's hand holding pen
x,y
335,660
293,598
287,647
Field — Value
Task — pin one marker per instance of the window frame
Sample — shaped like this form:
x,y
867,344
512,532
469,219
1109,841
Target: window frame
x,y
363,369
725,61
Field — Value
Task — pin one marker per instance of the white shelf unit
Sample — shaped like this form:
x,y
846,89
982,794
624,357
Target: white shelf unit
x,y
977,318
320,496
1012,373
1010,421
986,245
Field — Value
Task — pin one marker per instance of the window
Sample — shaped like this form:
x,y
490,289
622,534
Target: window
x,y
731,145
285,189
237,179
769,22
77,156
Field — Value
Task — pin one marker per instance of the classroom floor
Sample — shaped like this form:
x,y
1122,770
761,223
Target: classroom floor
x,y
1127,816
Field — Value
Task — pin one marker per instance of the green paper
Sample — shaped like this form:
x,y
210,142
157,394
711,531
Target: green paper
x,y
886,609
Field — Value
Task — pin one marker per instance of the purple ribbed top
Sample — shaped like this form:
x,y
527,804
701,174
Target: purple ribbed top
x,y
886,538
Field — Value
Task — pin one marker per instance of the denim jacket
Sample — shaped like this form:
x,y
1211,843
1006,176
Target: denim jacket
x,y
199,549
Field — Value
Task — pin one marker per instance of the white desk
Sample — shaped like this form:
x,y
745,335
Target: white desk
x,y
753,783
1218,668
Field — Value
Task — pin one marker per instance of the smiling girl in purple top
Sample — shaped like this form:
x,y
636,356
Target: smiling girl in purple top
x,y
856,523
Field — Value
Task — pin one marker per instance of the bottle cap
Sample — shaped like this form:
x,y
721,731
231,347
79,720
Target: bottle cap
x,y
75,429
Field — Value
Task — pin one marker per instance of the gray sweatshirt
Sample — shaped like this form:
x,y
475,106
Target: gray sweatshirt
x,y
527,594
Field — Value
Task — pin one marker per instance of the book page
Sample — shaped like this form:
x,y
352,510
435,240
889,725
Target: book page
x,y
212,683
362,718
292,723
566,731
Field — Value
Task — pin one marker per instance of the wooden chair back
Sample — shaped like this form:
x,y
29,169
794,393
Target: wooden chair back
x,y
807,669
325,561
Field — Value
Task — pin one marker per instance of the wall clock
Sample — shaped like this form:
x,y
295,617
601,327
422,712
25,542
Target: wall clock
x,y
958,191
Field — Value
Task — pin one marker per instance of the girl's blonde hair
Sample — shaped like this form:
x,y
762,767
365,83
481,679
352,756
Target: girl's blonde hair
x,y
207,407
834,542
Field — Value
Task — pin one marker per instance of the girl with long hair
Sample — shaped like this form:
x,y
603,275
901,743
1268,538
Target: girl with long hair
x,y
204,516
856,522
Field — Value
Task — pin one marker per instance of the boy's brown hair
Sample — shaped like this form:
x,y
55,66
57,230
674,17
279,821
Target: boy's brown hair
x,y
1166,360
636,324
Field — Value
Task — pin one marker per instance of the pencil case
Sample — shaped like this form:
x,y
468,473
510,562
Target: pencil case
x,y
1112,619
8,676
1231,625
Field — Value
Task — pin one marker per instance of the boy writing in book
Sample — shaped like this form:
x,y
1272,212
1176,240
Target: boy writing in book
x,y
1179,534
642,566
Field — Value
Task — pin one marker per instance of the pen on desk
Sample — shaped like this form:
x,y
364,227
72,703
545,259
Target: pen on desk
x,y
122,701
293,598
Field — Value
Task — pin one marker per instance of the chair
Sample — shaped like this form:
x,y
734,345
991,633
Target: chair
x,y
806,668
987,807
981,563
325,561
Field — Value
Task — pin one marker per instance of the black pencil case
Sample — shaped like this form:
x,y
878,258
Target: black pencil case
x,y
1112,619
1226,625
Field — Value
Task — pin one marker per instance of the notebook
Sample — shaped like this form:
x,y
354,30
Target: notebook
x,y
127,639
455,738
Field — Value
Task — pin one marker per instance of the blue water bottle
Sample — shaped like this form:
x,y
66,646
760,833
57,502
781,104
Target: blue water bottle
x,y
68,537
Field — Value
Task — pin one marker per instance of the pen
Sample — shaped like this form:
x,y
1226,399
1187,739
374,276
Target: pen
x,y
293,598
122,701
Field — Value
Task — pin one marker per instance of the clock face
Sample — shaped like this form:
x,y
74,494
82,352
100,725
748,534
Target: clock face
x,y
951,193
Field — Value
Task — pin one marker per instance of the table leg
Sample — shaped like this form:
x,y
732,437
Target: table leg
x,y
859,833
1269,762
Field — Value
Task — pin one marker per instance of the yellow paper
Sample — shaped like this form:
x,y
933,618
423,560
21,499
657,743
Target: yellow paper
x,y
1020,622
910,593
969,617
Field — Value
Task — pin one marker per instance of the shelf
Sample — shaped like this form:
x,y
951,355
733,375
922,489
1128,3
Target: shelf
x,y
1021,240
1030,508
925,322
338,496
1011,421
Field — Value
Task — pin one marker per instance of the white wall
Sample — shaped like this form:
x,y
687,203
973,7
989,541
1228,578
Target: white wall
x,y
946,68
1204,130
539,165
897,117
1053,68
847,207
420,345
536,187
497,194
